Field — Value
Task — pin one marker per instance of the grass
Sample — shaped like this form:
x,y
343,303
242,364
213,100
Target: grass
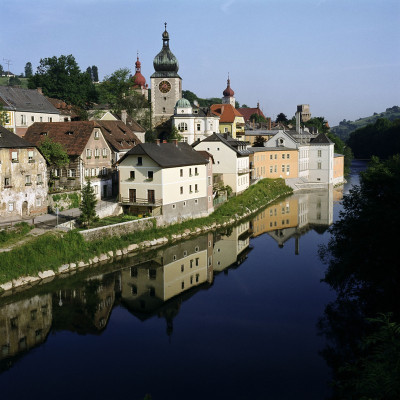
x,y
113,220
14,234
51,250
4,82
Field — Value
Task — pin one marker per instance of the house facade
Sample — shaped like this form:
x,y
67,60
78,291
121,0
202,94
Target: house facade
x,y
168,179
23,180
230,119
24,107
231,160
194,123
90,156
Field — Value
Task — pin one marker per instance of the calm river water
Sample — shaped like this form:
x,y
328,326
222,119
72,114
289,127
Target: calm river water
x,y
229,315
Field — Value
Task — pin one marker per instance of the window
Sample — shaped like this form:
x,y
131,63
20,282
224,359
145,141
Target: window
x,y
319,153
139,161
184,204
185,253
283,156
181,189
275,168
271,168
23,119
32,118
182,127
288,156
173,206
182,268
30,156
132,175
97,153
134,290
276,156
197,277
71,173
198,127
270,156
319,165
88,153
181,172
190,171
190,189
41,119
93,172
7,182
152,274
39,179
104,153
163,110
104,171
28,181
226,130
283,168
10,206
96,135
38,201
196,172
196,188
288,168
196,201
14,156
96,189
197,261
87,172
150,175
49,119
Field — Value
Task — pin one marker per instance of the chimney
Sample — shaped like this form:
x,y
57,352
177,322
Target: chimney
x,y
39,89
298,122
175,142
123,116
157,142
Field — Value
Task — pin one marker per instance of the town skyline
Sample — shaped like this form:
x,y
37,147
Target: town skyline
x,y
339,57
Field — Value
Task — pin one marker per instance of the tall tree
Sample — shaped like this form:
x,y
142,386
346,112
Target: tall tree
x,y
88,205
281,117
1,70
90,73
62,78
95,73
28,70
259,141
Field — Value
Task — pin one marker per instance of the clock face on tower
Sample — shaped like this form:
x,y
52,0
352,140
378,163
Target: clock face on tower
x,y
164,86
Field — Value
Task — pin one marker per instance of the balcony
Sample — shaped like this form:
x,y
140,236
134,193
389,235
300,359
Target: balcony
x,y
245,170
140,202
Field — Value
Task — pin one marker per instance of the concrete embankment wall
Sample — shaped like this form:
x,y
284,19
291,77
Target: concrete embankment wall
x,y
120,229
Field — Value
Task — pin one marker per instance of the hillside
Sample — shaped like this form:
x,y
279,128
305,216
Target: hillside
x,y
344,128
23,82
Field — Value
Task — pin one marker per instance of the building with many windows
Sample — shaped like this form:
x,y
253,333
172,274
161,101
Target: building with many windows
x,y
169,179
90,155
23,181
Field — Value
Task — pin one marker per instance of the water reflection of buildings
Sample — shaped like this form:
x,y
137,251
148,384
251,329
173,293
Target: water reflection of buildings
x,y
24,325
152,287
231,247
296,215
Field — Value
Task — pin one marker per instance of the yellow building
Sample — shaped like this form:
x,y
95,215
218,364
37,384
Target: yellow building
x,y
273,163
230,119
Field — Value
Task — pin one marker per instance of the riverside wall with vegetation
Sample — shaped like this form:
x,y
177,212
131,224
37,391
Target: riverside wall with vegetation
x,y
59,253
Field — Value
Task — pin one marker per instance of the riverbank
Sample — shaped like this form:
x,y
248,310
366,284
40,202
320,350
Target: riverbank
x,y
58,253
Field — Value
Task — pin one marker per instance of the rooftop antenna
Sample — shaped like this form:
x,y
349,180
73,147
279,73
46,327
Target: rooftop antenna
x,y
8,62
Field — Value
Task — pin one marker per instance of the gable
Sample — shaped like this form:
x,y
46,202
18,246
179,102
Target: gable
x,y
281,139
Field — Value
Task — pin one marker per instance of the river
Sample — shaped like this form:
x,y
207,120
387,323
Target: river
x,y
229,315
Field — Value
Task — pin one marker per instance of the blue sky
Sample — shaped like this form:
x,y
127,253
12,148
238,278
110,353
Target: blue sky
x,y
340,56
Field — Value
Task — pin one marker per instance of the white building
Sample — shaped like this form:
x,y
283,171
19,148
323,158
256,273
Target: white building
x,y
169,179
194,123
231,160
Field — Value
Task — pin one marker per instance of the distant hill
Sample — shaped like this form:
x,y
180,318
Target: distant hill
x,y
23,82
344,128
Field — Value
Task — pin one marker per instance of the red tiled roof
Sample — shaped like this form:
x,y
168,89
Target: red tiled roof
x,y
118,135
248,112
226,112
74,143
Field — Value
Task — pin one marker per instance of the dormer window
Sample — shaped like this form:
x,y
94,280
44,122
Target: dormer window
x,y
69,133
96,134
43,133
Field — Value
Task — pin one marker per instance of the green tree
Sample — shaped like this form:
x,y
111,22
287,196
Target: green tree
x,y
319,123
259,141
1,70
95,73
257,118
3,116
28,70
89,72
88,205
245,106
14,81
281,117
54,152
62,78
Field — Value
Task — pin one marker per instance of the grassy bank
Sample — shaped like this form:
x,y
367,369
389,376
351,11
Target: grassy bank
x,y
51,250
12,235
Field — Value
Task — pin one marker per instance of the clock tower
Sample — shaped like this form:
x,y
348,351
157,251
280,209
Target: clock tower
x,y
166,84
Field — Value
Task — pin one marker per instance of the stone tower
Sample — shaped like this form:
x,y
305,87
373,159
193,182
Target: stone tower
x,y
229,94
166,84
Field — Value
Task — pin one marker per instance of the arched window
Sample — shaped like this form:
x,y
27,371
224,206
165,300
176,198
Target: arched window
x,y
182,127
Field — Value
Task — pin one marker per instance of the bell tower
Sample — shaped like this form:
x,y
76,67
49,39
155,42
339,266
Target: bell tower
x,y
166,84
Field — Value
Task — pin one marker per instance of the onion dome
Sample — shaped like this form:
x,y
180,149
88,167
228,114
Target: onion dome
x,y
228,92
183,103
138,78
165,61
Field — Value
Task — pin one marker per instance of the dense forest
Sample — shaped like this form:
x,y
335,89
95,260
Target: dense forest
x,y
380,139
344,129
363,324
